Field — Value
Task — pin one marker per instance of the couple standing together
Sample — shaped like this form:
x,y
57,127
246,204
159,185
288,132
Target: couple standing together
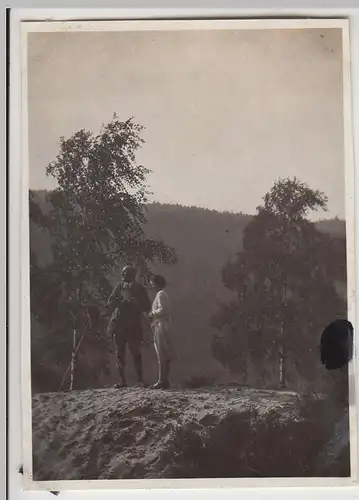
x,y
130,305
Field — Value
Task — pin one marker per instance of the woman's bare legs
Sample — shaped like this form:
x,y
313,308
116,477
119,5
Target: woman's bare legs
x,y
163,369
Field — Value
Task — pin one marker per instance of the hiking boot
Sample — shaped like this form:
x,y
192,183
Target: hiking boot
x,y
120,385
161,385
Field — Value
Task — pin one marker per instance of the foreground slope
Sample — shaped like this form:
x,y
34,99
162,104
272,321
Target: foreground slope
x,y
219,431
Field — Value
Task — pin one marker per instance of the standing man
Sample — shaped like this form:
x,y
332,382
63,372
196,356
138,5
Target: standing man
x,y
128,302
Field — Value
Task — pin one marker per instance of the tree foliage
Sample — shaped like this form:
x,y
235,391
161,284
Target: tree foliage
x,y
284,285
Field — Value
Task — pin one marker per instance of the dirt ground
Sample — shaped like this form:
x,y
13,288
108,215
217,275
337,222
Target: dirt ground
x,y
143,433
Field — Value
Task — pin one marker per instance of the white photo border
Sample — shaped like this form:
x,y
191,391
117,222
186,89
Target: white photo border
x,y
27,27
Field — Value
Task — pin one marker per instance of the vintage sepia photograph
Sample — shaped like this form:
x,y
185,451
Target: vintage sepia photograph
x,y
188,246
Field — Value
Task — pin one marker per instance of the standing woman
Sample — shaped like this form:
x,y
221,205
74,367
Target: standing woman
x,y
160,322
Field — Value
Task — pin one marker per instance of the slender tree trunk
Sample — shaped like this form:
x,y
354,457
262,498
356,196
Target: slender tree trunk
x,y
282,356
73,359
282,371
74,340
69,367
283,333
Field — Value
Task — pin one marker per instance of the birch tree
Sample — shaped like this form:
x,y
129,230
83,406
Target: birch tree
x,y
97,221
284,285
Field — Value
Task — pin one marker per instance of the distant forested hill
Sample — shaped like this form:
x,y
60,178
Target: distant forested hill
x,y
204,241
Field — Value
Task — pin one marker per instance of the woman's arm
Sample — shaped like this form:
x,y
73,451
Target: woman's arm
x,y
161,306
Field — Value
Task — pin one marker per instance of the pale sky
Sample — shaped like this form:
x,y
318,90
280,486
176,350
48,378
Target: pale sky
x,y
226,112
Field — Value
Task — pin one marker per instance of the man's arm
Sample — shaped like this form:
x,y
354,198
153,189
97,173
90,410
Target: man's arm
x,y
114,298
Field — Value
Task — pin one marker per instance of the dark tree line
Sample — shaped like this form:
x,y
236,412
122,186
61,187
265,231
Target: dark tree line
x,y
284,278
